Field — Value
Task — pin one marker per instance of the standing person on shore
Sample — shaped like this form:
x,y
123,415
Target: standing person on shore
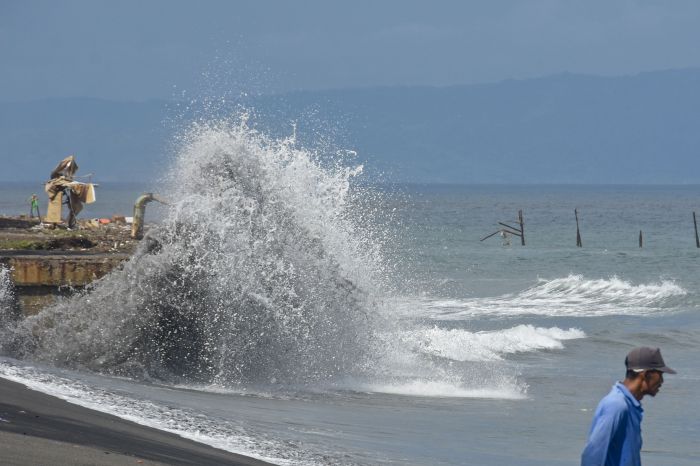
x,y
34,206
615,438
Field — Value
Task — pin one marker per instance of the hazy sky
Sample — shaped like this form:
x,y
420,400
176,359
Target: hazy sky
x,y
138,50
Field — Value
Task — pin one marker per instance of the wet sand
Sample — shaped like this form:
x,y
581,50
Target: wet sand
x,y
36,428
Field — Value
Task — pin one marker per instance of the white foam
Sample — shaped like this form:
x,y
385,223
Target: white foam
x,y
462,345
443,389
569,296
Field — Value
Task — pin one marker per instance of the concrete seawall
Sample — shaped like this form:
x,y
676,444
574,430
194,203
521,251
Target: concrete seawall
x,y
49,262
39,277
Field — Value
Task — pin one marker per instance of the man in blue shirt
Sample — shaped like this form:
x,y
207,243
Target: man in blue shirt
x,y
615,438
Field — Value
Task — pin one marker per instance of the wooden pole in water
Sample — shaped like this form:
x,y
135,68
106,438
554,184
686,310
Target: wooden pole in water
x,y
522,227
492,234
641,239
578,233
695,222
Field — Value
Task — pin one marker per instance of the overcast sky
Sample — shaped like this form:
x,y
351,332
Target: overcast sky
x,y
137,50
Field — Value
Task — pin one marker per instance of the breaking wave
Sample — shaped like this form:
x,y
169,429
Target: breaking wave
x,y
462,345
261,272
569,296
268,272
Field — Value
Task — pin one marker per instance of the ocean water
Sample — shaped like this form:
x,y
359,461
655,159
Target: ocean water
x,y
287,310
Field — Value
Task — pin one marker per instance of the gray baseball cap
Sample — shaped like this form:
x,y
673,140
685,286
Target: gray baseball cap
x,y
646,358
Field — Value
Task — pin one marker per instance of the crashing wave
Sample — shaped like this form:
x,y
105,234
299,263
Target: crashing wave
x,y
259,273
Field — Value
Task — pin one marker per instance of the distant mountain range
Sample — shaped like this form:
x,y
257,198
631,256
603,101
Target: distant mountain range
x,y
559,129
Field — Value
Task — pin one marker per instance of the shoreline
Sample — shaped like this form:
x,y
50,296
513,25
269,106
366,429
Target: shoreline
x,y
36,428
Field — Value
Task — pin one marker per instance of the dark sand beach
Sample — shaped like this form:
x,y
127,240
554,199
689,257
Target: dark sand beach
x,y
36,428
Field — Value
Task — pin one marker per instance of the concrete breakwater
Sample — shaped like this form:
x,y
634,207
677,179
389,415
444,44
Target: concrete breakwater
x,y
39,277
47,263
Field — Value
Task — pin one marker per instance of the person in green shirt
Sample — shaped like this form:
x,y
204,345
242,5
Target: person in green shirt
x,y
34,202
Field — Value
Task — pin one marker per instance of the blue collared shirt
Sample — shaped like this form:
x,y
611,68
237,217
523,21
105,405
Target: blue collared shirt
x,y
615,438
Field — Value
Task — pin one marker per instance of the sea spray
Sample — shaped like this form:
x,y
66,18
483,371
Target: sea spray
x,y
260,273
9,311
7,295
